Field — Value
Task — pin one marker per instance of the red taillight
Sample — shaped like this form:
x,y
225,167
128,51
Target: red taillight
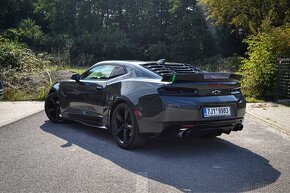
x,y
136,112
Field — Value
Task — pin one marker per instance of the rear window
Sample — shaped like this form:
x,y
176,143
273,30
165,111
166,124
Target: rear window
x,y
170,68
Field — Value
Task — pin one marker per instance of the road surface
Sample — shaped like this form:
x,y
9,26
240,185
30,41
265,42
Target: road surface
x,y
38,156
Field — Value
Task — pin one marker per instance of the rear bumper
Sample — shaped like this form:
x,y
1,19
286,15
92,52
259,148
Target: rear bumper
x,y
204,126
187,112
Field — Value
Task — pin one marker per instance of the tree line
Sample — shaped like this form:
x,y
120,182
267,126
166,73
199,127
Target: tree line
x,y
81,32
245,36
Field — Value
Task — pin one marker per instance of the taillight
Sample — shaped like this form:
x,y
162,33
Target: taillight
x,y
236,91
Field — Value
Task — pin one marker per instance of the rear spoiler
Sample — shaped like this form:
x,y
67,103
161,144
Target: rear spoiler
x,y
202,77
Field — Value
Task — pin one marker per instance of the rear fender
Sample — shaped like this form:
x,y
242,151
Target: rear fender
x,y
118,100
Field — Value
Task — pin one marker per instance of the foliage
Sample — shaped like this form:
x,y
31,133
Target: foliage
x,y
248,16
27,32
16,56
82,32
219,63
254,100
259,69
12,94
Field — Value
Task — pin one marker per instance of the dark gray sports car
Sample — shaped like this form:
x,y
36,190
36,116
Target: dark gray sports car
x,y
136,100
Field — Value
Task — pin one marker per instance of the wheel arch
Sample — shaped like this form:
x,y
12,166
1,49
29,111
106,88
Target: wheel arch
x,y
118,101
54,88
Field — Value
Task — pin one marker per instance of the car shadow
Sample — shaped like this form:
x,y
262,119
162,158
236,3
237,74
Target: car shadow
x,y
196,165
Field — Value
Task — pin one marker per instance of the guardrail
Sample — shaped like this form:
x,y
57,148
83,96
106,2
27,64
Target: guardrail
x,y
283,81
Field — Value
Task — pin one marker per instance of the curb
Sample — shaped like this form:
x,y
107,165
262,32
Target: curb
x,y
17,110
266,121
20,118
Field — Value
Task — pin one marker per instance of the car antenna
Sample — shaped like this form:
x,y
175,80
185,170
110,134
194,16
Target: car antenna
x,y
161,62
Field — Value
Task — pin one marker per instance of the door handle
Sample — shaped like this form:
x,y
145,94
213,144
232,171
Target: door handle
x,y
99,87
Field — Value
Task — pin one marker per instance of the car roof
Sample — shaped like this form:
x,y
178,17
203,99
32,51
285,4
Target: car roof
x,y
160,67
128,62
133,62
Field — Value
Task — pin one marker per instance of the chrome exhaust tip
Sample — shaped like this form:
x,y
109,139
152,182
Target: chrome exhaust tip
x,y
238,127
183,133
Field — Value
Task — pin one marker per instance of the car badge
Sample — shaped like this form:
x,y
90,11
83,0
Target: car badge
x,y
216,92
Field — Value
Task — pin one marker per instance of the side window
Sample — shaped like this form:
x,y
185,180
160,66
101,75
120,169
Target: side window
x,y
118,71
98,72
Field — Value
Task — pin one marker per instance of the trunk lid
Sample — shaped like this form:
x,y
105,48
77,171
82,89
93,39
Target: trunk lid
x,y
201,84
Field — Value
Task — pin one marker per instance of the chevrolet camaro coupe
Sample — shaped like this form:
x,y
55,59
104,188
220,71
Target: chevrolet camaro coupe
x,y
138,100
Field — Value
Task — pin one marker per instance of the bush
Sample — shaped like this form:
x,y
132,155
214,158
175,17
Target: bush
x,y
27,32
20,68
260,68
15,56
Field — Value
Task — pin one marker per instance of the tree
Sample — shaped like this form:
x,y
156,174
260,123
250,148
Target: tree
x,y
27,32
260,67
248,16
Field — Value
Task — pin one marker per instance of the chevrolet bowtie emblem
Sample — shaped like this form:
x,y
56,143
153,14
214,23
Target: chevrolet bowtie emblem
x,y
216,92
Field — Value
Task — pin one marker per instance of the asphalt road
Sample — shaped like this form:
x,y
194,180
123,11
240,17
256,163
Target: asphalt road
x,y
38,156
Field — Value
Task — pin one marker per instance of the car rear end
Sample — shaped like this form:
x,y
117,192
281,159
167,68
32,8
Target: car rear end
x,y
197,103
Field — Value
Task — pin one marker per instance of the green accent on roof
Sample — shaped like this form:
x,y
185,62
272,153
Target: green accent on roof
x,y
173,78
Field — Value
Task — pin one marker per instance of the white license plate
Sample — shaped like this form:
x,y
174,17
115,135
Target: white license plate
x,y
216,111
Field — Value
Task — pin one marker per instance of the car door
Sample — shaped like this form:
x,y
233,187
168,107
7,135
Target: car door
x,y
87,97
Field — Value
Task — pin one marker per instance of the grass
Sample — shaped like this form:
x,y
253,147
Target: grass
x,y
75,69
254,100
37,93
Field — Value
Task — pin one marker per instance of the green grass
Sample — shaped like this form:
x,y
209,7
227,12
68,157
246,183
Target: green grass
x,y
254,100
25,94
38,94
75,69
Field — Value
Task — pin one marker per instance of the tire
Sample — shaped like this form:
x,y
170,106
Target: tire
x,y
125,128
52,108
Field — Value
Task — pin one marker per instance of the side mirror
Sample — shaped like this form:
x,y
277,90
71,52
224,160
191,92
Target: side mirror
x,y
76,77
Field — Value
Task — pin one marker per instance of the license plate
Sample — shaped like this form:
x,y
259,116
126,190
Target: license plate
x,y
216,111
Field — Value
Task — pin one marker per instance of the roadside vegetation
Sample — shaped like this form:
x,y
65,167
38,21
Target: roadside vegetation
x,y
43,41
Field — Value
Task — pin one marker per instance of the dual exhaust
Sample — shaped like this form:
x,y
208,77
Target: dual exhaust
x,y
238,127
184,132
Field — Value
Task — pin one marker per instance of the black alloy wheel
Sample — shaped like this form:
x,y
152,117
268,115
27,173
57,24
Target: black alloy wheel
x,y
125,128
52,108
